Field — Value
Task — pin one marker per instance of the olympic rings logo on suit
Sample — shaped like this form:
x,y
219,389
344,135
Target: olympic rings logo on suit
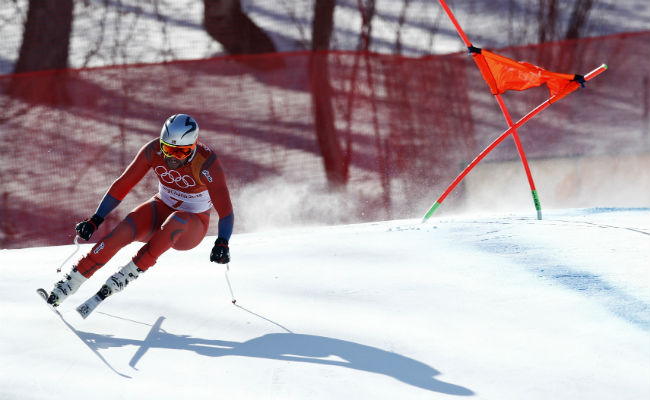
x,y
173,176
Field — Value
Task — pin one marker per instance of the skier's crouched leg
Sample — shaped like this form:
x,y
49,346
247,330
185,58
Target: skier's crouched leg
x,y
186,230
137,226
123,234
181,231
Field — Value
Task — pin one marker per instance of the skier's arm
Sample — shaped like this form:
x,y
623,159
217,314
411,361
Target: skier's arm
x,y
125,182
118,190
215,180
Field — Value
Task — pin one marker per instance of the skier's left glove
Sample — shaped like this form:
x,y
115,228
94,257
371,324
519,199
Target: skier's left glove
x,y
86,228
220,252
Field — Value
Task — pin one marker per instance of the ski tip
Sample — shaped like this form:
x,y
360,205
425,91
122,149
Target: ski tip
x,y
43,293
605,66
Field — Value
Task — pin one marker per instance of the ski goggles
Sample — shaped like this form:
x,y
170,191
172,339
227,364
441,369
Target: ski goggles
x,y
180,152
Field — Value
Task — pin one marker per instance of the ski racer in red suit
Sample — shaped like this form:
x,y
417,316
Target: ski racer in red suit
x,y
191,182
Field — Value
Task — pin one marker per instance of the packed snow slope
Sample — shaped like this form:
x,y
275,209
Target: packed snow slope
x,y
487,307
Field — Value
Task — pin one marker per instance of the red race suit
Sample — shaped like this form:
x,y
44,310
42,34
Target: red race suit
x,y
176,217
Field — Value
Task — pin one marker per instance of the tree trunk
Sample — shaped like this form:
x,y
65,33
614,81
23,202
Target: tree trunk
x,y
323,24
227,24
46,38
547,17
578,18
321,94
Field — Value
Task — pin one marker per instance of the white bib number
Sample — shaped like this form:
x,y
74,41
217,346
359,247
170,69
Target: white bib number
x,y
181,201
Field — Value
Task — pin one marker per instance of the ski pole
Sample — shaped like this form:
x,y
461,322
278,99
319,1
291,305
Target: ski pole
x,y
230,286
76,242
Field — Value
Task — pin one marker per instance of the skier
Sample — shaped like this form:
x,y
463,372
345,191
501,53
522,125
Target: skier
x,y
191,181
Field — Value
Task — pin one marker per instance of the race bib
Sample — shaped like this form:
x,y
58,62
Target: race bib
x,y
181,201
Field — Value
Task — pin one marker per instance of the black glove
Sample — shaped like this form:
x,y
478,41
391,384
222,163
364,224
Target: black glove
x,y
87,227
220,252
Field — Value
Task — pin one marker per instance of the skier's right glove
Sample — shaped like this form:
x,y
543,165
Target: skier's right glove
x,y
220,252
87,227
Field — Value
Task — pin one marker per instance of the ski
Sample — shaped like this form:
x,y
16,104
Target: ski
x,y
89,305
44,295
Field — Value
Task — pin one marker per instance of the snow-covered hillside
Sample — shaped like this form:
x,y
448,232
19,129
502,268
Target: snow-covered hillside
x,y
489,307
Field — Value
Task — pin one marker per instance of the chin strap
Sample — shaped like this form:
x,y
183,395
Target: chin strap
x,y
191,157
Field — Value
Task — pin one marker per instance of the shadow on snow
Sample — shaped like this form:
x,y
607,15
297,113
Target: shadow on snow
x,y
286,347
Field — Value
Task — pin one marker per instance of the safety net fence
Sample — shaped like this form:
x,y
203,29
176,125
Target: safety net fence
x,y
304,138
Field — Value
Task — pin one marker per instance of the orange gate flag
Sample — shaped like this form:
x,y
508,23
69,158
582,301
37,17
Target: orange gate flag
x,y
502,74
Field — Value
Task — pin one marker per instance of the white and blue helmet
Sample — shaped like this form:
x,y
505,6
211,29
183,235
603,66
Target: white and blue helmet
x,y
180,130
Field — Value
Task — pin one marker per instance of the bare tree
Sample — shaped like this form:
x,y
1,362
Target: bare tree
x,y
46,38
578,20
225,21
321,93
400,23
549,21
547,17
367,10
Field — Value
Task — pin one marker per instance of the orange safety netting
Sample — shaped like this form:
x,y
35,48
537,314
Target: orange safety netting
x,y
401,127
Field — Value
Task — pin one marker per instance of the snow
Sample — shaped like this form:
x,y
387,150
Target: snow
x,y
499,306
107,32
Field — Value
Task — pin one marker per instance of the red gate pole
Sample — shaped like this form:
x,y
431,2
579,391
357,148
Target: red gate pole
x,y
482,155
504,110
522,156
504,135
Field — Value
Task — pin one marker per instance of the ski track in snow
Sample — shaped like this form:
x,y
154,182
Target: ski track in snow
x,y
622,304
547,267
